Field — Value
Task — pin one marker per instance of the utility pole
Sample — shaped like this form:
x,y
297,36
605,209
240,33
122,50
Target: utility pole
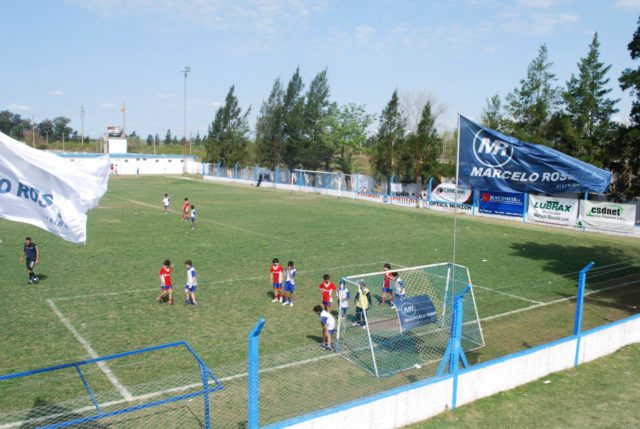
x,y
33,130
124,119
186,71
82,125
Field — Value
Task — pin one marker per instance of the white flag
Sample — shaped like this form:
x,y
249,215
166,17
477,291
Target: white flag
x,y
48,191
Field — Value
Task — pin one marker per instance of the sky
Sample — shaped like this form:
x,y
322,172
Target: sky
x,y
61,55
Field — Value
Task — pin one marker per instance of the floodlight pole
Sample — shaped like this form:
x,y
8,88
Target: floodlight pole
x,y
186,71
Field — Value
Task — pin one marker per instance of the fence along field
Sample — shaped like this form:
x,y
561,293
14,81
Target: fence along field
x,y
524,281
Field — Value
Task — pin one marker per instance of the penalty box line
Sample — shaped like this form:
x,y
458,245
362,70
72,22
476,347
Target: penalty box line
x,y
85,344
146,290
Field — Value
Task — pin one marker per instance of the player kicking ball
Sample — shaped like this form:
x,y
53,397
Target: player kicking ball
x,y
192,284
166,287
276,274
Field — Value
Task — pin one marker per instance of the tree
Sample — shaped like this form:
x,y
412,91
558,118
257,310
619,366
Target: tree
x,y
588,107
492,114
293,122
623,154
61,128
532,104
346,134
390,133
149,140
269,131
424,147
412,104
156,139
168,138
314,153
13,124
228,139
46,129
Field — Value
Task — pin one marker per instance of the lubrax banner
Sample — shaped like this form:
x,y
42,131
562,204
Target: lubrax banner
x,y
495,161
553,210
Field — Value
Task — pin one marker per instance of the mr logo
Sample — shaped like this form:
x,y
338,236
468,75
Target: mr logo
x,y
491,153
408,309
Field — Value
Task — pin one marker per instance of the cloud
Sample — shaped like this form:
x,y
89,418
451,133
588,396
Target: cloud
x,y
18,107
363,32
57,93
107,106
216,104
163,96
627,4
537,24
539,4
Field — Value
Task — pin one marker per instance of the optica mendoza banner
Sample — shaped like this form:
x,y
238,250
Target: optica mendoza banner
x,y
443,197
415,311
558,211
492,160
501,203
608,216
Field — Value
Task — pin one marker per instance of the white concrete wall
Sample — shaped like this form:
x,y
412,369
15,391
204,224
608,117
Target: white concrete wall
x,y
134,163
422,400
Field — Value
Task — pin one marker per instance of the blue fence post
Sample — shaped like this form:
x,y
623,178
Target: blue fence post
x,y
357,183
300,179
204,375
525,207
253,394
429,192
235,171
577,323
219,162
475,202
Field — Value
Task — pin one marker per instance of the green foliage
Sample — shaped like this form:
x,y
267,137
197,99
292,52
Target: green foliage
x,y
149,140
269,128
630,78
314,153
228,138
531,105
588,107
391,132
168,139
492,114
293,107
345,134
13,124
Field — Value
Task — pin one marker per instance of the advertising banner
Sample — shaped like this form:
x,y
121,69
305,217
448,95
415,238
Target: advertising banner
x,y
415,311
608,216
492,160
501,203
443,198
553,210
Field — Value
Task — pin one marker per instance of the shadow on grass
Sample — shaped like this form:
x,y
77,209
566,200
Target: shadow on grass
x,y
43,414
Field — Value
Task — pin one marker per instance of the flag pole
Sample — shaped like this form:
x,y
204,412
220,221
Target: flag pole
x,y
455,196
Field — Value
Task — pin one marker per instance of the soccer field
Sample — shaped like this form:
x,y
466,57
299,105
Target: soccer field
x,y
99,299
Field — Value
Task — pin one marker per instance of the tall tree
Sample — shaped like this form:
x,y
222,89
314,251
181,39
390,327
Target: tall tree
x,y
346,134
293,122
422,149
149,140
46,129
588,107
168,139
13,124
623,156
532,104
156,139
269,128
61,128
314,153
228,138
390,134
492,115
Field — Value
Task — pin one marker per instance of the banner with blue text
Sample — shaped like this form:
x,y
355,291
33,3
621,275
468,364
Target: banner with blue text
x,y
501,203
495,161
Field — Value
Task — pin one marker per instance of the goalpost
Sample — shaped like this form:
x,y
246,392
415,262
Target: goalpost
x,y
416,330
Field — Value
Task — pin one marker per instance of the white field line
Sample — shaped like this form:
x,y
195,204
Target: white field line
x,y
102,365
507,294
206,220
275,368
62,298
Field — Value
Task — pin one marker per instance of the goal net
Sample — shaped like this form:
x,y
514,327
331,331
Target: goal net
x,y
412,331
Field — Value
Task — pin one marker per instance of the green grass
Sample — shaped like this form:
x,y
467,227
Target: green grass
x,y
107,288
599,394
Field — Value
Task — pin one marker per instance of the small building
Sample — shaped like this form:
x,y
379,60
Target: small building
x,y
114,140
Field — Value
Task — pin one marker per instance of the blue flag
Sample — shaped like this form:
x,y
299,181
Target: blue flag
x,y
492,160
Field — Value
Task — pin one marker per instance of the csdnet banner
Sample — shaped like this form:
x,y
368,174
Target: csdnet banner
x,y
501,203
607,216
553,210
444,198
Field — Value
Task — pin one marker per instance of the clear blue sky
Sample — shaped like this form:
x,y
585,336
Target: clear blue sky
x,y
58,55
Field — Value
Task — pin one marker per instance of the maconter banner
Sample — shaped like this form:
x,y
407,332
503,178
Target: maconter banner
x,y
553,210
492,160
501,203
607,216
415,311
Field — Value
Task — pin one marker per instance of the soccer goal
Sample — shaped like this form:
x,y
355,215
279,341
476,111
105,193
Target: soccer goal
x,y
414,331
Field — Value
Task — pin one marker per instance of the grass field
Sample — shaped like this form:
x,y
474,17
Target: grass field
x,y
599,394
524,277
